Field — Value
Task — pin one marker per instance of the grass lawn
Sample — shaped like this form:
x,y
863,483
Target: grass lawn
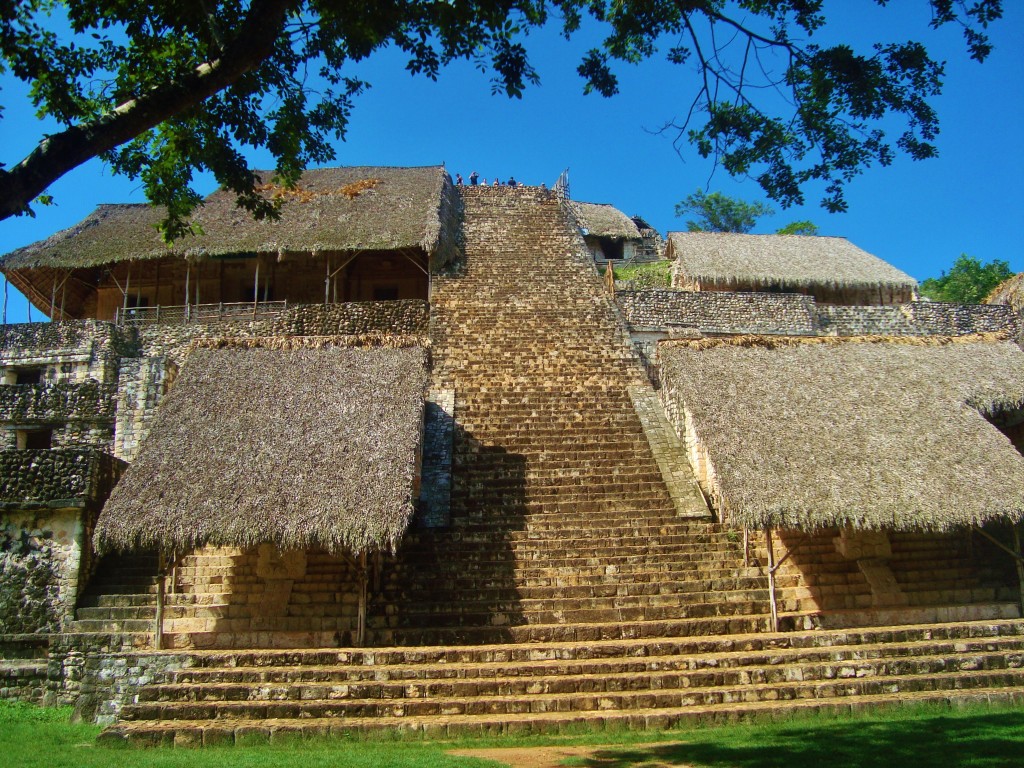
x,y
919,737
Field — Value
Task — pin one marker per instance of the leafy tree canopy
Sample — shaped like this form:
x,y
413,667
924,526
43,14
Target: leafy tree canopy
x,y
716,212
967,282
799,228
164,88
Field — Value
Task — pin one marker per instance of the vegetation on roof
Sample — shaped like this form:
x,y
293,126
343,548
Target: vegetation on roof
x,y
869,432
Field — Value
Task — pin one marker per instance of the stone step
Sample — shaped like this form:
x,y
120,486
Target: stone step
x,y
632,658
603,676
225,732
581,701
560,633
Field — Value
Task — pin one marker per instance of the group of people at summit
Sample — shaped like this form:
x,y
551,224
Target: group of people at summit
x,y
475,180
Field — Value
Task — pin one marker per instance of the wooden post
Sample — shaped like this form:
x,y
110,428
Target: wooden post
x,y
256,288
609,277
771,583
127,287
1020,563
327,282
158,630
5,299
361,621
64,293
188,274
53,299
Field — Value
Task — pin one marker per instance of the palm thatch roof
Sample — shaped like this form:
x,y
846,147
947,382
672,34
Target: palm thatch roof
x,y
603,220
1010,292
796,261
332,209
869,432
307,447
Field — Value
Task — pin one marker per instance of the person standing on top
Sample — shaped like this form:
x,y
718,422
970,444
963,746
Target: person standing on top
x,y
474,177
512,181
458,179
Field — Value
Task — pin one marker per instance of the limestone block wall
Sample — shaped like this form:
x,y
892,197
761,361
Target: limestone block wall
x,y
41,554
99,674
436,487
450,213
81,414
53,477
396,317
70,351
720,312
922,318
142,384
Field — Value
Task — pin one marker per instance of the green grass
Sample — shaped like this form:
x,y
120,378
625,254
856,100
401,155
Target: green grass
x,y
908,737
655,274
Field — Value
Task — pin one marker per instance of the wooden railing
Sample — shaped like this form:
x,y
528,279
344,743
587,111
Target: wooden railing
x,y
198,313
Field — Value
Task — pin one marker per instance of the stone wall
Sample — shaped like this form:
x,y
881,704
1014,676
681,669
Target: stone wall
x,y
73,351
408,317
438,434
99,674
922,318
718,312
142,385
58,477
449,243
23,667
41,554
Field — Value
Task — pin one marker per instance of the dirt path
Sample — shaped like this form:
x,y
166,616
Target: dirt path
x,y
608,756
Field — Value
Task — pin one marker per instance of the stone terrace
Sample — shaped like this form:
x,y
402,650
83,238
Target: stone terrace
x,y
568,587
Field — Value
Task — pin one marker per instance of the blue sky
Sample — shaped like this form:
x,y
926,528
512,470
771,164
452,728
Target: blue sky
x,y
918,216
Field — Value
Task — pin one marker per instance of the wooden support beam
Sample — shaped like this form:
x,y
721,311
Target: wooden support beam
x,y
771,583
161,585
188,275
256,288
1019,560
361,620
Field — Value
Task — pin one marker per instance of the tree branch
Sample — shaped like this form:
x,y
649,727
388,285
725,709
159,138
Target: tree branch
x,y
59,153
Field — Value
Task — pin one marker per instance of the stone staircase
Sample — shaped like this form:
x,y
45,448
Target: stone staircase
x,y
659,682
569,589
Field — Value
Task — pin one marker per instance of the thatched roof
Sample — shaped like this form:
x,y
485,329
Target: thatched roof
x,y
603,220
868,432
1010,291
333,209
311,447
796,261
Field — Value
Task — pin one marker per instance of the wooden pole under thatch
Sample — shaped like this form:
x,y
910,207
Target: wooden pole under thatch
x,y
609,278
361,620
771,583
1019,561
188,274
158,629
256,288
